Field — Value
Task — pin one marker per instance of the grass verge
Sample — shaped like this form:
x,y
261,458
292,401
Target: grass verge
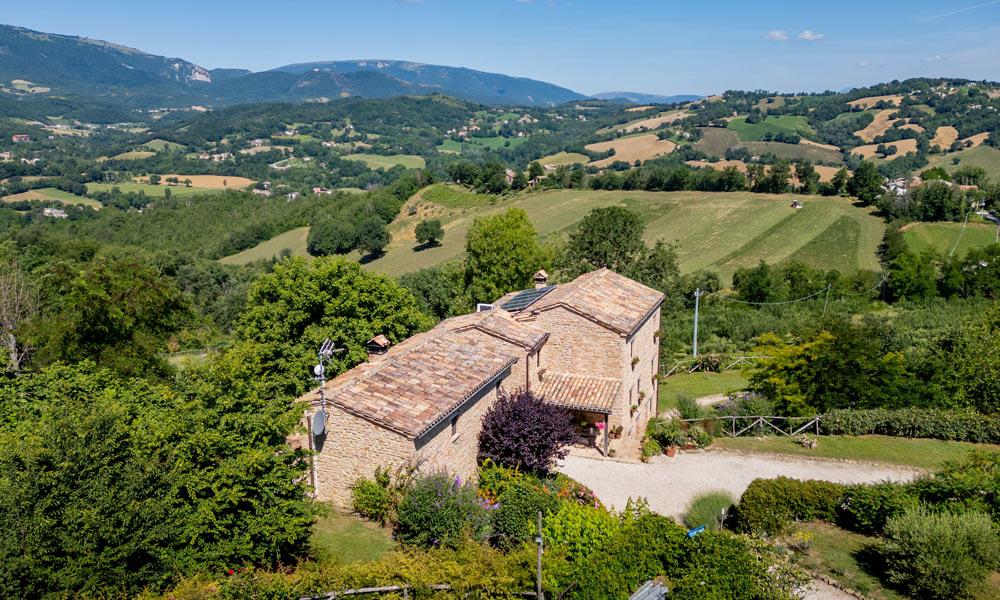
x,y
346,538
697,385
924,454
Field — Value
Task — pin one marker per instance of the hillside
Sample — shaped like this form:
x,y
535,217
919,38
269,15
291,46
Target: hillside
x,y
717,231
38,64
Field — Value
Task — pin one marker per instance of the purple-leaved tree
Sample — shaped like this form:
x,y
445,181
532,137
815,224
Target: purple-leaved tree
x,y
522,431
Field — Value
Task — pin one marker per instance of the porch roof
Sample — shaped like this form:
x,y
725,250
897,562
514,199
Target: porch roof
x,y
580,392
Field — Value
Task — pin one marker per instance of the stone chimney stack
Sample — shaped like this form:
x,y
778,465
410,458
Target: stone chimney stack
x,y
377,346
541,279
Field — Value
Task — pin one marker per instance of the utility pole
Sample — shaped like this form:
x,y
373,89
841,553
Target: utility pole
x,y
697,296
539,595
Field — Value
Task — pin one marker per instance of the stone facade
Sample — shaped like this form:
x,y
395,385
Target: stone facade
x,y
353,448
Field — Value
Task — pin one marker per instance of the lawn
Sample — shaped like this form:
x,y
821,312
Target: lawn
x,y
53,194
377,161
345,538
921,453
294,240
151,190
784,124
717,231
697,385
942,237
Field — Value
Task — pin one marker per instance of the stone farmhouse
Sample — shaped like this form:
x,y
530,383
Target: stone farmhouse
x,y
590,345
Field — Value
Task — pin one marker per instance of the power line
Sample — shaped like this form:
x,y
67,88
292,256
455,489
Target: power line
x,y
776,303
960,234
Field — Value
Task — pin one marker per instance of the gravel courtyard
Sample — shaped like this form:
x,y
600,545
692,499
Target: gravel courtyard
x,y
670,483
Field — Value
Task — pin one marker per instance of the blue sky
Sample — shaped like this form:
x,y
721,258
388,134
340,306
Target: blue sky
x,y
654,46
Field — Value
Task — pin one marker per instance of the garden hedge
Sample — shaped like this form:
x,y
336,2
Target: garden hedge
x,y
958,425
768,506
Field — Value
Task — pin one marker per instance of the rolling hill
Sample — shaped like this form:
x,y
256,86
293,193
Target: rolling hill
x,y
716,231
640,98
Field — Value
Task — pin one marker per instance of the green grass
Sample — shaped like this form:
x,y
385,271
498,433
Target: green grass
x,y
706,509
294,240
564,158
985,157
921,453
152,190
697,385
53,194
717,231
794,151
785,124
133,155
942,237
158,145
835,553
345,538
493,143
454,196
716,140
450,147
377,161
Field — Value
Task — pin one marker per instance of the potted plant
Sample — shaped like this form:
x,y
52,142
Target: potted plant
x,y
616,432
671,451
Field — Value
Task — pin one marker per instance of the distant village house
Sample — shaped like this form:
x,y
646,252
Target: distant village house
x,y
20,138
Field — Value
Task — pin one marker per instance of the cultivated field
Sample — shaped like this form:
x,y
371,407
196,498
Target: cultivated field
x,y
825,173
942,237
976,140
784,124
206,182
716,140
52,194
945,136
564,158
157,145
881,124
903,147
871,101
377,161
294,240
794,151
652,123
630,149
157,191
985,157
718,231
133,155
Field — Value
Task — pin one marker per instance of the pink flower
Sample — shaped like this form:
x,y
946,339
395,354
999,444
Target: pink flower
x,y
230,571
600,425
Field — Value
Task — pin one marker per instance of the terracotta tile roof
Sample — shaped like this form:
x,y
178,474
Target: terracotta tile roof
x,y
613,300
418,383
580,392
499,323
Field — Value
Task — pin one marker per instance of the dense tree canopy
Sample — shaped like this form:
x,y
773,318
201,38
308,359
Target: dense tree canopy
x,y
502,253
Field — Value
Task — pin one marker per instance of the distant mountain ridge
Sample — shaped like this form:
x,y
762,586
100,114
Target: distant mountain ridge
x,y
34,63
640,98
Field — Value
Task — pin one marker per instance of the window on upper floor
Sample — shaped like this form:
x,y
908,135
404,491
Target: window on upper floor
x,y
454,428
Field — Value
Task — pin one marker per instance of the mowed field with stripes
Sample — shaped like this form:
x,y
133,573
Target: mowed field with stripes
x,y
716,231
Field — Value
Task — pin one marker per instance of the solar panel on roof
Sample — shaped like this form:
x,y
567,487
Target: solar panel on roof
x,y
525,299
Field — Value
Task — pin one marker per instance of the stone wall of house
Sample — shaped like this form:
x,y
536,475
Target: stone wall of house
x,y
352,448
642,348
456,453
577,345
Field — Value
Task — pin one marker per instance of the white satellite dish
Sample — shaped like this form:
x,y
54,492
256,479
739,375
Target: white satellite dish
x,y
318,370
319,423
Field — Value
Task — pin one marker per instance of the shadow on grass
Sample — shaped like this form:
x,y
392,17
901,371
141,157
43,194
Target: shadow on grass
x,y
364,260
426,246
872,562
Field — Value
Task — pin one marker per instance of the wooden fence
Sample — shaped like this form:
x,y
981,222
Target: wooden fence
x,y
787,426
390,589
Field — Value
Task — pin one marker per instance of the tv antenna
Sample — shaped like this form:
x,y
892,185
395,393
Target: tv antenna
x,y
326,351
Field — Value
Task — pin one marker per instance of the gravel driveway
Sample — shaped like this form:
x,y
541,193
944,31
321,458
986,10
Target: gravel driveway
x,y
670,483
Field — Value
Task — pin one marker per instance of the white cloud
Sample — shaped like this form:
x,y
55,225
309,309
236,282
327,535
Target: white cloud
x,y
776,35
811,36
934,59
863,64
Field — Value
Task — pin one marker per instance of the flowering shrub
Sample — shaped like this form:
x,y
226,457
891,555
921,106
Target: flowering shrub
x,y
439,510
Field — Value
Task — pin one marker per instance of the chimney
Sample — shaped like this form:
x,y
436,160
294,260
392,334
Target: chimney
x,y
541,279
377,346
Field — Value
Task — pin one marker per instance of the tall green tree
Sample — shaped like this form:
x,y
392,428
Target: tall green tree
x,y
111,486
609,237
502,254
866,183
114,310
291,310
